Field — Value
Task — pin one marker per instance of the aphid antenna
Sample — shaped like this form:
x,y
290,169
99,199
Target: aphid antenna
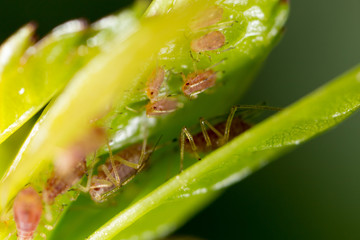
x,y
225,50
159,146
216,64
219,26
156,147
240,107
172,70
258,107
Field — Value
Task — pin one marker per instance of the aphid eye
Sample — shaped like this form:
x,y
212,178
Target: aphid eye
x,y
155,108
152,93
187,84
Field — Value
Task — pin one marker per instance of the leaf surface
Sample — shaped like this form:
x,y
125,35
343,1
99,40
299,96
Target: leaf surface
x,y
163,209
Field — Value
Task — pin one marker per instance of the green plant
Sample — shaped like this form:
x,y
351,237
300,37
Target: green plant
x,y
259,145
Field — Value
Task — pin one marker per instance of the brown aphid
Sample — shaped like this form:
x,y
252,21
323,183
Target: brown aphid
x,y
207,18
27,210
58,184
198,82
70,165
211,41
154,83
238,126
162,106
112,175
67,160
212,137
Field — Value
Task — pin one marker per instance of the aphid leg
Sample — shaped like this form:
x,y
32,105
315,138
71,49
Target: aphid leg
x,y
108,174
10,234
233,111
182,148
131,109
48,215
117,177
183,77
53,221
203,124
101,183
195,67
193,58
208,55
143,156
42,235
185,132
89,175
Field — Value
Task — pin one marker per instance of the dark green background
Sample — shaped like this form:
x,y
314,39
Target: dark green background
x,y
311,193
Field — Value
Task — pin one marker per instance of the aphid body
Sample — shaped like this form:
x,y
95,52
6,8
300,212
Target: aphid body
x,y
70,165
198,82
114,174
162,106
211,41
27,210
154,83
58,184
237,127
218,135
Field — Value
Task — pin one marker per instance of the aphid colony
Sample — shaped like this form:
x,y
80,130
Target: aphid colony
x,y
120,168
195,82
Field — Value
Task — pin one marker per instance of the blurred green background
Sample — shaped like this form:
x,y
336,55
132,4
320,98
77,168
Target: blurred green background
x,y
311,193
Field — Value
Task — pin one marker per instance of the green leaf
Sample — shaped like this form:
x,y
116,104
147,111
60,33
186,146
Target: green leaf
x,y
31,75
251,30
142,208
28,79
99,78
10,147
165,208
251,47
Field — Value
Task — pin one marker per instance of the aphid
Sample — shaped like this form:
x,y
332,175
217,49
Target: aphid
x,y
70,165
208,17
211,41
118,170
197,82
213,138
154,83
216,136
27,210
58,184
162,106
